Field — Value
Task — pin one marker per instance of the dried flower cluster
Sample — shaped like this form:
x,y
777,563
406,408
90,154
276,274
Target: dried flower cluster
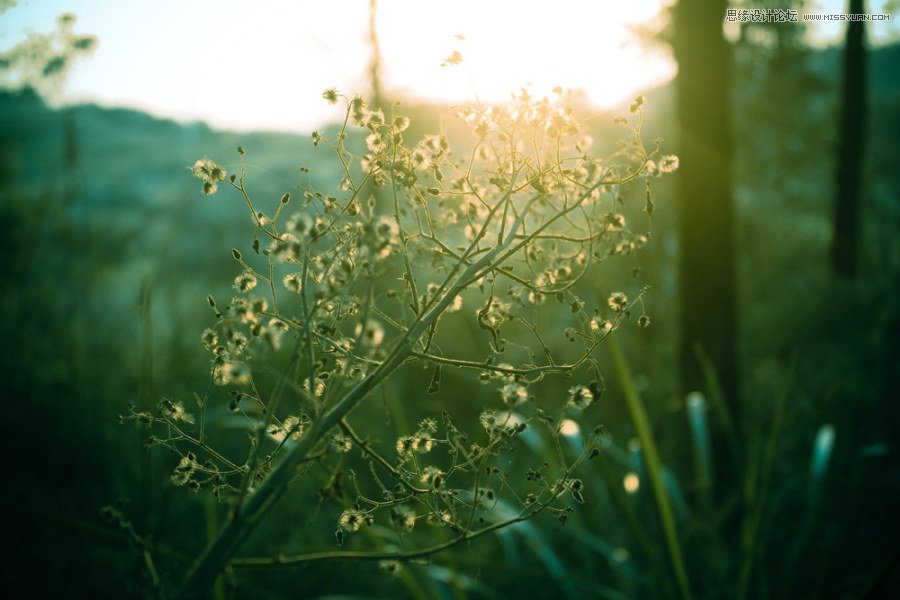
x,y
345,287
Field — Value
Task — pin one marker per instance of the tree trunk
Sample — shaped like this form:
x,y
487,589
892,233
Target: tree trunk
x,y
851,141
706,218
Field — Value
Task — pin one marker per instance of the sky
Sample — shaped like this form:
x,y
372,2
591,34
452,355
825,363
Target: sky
x,y
245,65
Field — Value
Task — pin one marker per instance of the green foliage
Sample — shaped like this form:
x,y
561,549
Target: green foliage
x,y
42,60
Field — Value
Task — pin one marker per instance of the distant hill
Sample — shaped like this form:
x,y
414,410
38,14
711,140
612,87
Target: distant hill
x,y
125,174
133,156
126,158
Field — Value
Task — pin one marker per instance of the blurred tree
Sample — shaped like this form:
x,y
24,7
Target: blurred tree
x,y
706,220
377,100
851,145
43,60
772,154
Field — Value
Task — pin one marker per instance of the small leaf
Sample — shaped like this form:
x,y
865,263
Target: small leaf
x,y
496,341
435,384
536,184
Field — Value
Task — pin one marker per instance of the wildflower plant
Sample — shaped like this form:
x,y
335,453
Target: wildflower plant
x,y
345,287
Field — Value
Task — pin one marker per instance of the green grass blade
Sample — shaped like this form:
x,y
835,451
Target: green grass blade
x,y
541,548
699,428
757,482
621,502
211,520
652,464
717,399
822,449
821,456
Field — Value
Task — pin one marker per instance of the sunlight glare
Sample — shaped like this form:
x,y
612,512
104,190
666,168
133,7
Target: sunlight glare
x,y
263,65
569,428
632,483
509,45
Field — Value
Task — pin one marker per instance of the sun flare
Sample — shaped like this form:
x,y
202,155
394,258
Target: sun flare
x,y
587,46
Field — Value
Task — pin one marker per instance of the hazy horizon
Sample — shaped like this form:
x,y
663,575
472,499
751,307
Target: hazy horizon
x,y
237,68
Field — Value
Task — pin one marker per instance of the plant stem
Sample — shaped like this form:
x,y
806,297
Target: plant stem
x,y
242,522
654,466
